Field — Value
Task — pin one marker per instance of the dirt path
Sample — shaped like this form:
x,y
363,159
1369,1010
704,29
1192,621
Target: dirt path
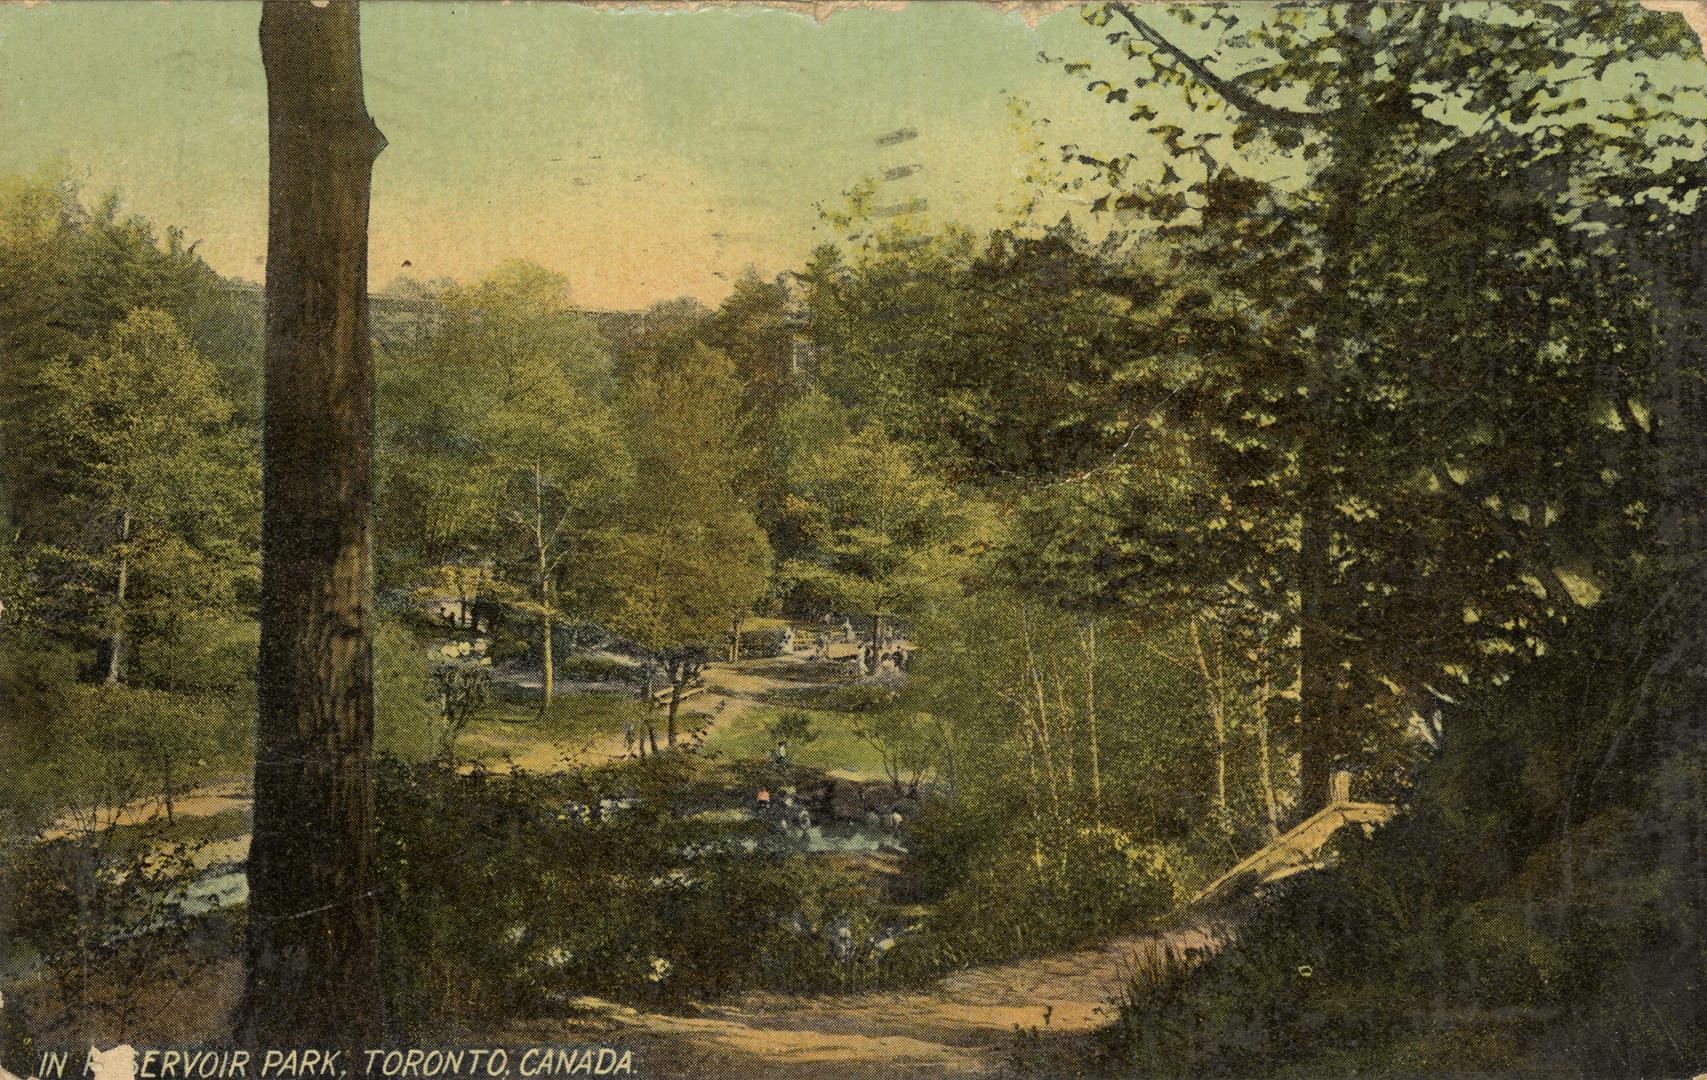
x,y
970,1024
201,802
729,691
963,1026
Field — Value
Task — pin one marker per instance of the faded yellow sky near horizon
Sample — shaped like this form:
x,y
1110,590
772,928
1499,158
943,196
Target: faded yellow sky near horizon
x,y
644,154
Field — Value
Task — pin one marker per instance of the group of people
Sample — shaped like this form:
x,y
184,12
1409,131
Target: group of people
x,y
875,654
785,812
875,658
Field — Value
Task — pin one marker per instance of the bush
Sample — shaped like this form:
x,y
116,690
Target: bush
x,y
103,919
794,728
855,697
502,896
1537,910
764,642
406,708
205,655
512,649
1030,890
591,668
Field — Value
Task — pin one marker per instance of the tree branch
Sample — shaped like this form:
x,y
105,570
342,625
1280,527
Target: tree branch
x,y
1229,90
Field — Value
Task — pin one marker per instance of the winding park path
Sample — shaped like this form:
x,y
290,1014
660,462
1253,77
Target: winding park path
x,y
978,1022
727,691
971,1023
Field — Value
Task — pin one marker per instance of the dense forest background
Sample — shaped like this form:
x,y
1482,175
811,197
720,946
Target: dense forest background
x,y
1359,428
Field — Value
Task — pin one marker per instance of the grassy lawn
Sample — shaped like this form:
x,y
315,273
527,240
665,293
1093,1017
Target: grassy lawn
x,y
747,736
838,697
573,720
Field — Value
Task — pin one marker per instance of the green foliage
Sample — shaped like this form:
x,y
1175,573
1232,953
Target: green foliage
x,y
596,668
910,744
751,737
202,653
149,469
1051,888
794,728
999,358
807,426
1534,912
499,448
405,701
687,555
1024,697
1303,460
464,689
512,726
761,641
72,275
98,917
847,697
86,756
879,534
754,328
1407,395
884,317
644,906
74,270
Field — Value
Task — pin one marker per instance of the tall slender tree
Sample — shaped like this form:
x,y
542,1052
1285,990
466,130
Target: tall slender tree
x,y
687,557
312,936
1353,96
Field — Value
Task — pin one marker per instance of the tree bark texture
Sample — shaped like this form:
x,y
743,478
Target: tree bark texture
x,y
312,969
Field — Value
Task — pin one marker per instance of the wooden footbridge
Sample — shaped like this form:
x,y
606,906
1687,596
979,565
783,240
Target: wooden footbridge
x,y
1302,848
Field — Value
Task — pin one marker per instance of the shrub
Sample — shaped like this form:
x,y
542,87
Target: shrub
x,y
504,895
794,728
203,655
1536,911
1038,889
765,641
96,914
406,707
855,697
591,668
102,747
464,688
508,648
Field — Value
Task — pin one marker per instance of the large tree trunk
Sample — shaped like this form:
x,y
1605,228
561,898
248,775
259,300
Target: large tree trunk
x,y
1320,640
117,645
312,949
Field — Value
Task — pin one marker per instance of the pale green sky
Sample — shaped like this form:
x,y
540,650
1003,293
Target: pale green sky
x,y
644,154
